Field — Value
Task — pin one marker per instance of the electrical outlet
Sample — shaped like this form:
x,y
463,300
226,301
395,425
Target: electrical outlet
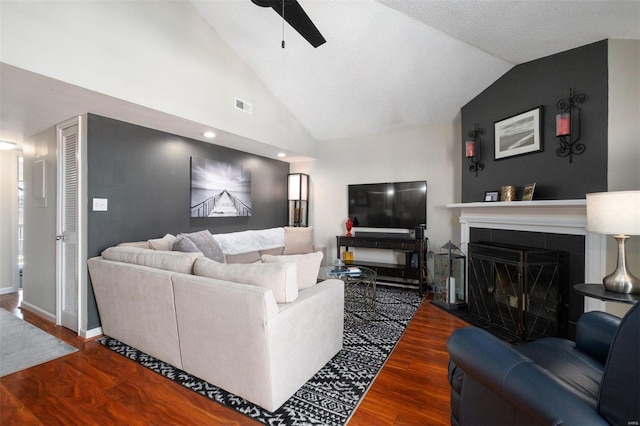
x,y
100,204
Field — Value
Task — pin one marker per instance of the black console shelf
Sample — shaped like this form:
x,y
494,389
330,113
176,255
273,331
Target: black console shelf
x,y
390,269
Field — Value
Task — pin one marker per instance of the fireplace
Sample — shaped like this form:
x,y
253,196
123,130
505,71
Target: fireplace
x,y
556,225
516,290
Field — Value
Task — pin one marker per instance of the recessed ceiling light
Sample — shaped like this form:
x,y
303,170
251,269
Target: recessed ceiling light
x,y
209,135
281,154
6,145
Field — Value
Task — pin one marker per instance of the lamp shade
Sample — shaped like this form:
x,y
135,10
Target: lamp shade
x,y
614,213
298,187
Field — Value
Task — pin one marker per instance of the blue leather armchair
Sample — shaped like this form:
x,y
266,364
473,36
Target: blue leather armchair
x,y
551,381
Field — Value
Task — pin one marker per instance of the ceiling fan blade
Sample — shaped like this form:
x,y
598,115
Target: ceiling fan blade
x,y
300,21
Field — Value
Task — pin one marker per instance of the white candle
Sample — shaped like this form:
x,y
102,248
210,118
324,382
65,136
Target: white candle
x,y
452,290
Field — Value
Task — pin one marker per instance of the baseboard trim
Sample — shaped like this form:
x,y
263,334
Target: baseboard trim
x,y
85,334
37,311
90,334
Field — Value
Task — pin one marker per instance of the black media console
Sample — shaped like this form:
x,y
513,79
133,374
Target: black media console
x,y
408,245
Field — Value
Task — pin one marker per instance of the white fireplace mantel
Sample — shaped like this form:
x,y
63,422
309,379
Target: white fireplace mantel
x,y
548,216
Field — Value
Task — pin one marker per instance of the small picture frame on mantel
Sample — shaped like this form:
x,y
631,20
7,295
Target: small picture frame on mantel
x,y
527,194
492,196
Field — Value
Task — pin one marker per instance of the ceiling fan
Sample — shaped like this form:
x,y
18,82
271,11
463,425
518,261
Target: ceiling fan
x,y
292,12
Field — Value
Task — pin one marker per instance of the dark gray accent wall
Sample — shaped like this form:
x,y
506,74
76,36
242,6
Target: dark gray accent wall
x,y
542,83
145,175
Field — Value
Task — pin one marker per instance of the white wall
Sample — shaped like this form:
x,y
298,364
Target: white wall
x,y
39,277
624,115
624,141
158,54
431,153
8,221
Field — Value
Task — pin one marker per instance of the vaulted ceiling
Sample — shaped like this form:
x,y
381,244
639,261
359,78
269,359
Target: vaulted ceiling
x,y
386,64
396,63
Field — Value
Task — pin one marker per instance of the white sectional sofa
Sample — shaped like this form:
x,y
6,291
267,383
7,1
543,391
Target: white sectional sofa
x,y
255,329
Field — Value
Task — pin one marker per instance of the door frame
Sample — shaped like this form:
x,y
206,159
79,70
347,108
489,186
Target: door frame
x,y
81,225
13,185
19,157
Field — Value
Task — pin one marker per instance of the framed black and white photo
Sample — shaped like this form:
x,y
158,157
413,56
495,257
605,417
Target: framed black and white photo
x,y
520,134
219,189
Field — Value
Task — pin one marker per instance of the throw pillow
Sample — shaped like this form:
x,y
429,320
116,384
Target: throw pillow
x,y
184,244
206,244
279,278
165,243
307,266
298,240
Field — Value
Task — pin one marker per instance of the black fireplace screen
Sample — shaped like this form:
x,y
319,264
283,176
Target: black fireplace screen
x,y
515,289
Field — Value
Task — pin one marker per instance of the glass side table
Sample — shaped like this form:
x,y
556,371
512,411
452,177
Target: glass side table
x,y
359,291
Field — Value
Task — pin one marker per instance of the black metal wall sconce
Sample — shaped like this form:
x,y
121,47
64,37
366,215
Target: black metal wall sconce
x,y
472,149
568,125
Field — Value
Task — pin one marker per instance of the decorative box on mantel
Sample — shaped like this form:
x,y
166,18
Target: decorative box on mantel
x,y
546,216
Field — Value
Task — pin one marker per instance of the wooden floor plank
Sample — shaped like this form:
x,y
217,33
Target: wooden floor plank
x,y
96,386
13,412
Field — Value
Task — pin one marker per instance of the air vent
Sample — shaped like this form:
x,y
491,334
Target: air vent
x,y
244,106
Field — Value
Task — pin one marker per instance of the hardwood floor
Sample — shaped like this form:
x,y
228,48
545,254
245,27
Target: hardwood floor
x,y
96,386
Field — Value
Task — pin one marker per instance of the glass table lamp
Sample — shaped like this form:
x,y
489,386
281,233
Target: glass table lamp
x,y
616,213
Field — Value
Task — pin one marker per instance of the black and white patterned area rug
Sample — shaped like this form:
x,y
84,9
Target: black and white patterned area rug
x,y
332,395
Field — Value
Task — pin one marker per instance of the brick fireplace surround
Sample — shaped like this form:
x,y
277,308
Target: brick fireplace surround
x,y
568,217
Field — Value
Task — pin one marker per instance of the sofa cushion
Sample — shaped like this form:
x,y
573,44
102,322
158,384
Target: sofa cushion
x,y
206,244
168,260
298,240
307,266
251,257
274,251
136,244
122,254
279,278
165,243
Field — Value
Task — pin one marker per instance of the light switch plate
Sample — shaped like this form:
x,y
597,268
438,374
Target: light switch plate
x,y
100,204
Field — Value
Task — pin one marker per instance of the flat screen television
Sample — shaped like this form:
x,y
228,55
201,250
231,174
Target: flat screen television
x,y
388,205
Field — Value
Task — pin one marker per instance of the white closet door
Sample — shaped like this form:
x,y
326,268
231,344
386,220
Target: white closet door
x,y
67,235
